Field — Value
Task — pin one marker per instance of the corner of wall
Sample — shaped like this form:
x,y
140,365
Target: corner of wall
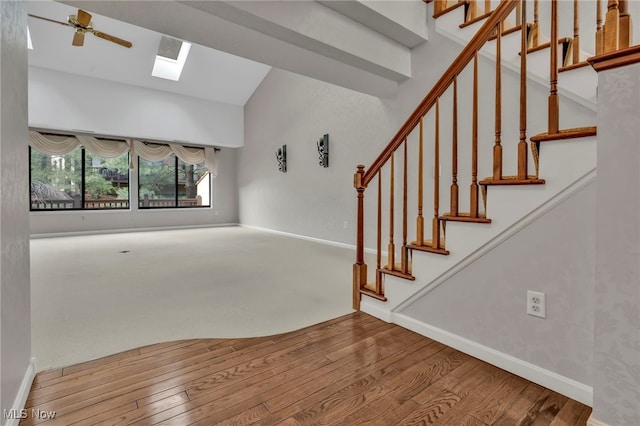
x,y
23,393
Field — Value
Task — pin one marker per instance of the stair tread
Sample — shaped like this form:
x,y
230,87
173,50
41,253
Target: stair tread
x,y
512,180
546,45
574,66
427,246
465,217
506,32
371,293
397,272
476,19
577,132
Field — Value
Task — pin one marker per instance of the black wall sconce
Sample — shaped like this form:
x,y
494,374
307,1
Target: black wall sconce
x,y
281,156
323,151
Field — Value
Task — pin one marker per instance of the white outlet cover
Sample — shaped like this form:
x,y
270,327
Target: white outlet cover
x,y
536,304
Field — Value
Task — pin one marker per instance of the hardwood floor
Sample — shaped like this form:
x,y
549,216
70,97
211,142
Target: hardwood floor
x,y
351,370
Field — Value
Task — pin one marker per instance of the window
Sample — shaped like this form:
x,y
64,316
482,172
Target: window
x,y
78,180
173,183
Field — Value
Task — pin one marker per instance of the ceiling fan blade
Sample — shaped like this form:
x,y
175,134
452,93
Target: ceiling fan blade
x,y
66,24
111,38
78,38
83,18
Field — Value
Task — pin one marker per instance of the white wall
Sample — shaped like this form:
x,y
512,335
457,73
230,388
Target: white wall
x,y
486,301
223,210
66,102
15,301
617,310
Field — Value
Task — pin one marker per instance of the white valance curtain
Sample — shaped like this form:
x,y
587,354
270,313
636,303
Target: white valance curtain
x,y
106,148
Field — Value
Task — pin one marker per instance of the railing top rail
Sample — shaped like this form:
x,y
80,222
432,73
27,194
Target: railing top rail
x,y
457,66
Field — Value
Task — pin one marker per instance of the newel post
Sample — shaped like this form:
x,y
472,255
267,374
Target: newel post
x,y
359,268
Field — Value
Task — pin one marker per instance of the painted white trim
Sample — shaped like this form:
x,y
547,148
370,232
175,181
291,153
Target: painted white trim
x,y
593,422
302,237
125,230
556,382
367,306
534,215
313,239
23,392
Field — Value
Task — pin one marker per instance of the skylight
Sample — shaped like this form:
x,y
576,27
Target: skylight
x,y
170,59
29,44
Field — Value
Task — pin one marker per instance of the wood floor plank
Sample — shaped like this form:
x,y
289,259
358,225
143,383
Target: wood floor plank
x,y
492,406
348,371
287,392
262,344
519,413
572,413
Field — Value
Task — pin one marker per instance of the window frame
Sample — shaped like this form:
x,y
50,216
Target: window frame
x,y
82,188
176,198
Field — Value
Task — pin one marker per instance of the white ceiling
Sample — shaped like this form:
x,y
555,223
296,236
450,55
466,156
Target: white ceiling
x,y
208,74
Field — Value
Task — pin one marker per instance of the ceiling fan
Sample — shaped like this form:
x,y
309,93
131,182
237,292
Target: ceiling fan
x,y
82,24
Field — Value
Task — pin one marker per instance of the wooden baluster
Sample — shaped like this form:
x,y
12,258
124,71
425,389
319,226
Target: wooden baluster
x,y
599,29
472,10
454,148
487,6
575,43
438,6
534,32
359,268
554,101
497,148
404,265
435,240
522,145
391,251
379,237
420,219
625,29
473,192
612,27
518,14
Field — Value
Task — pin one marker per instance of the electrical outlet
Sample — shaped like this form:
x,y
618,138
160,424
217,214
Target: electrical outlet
x,y
346,224
536,304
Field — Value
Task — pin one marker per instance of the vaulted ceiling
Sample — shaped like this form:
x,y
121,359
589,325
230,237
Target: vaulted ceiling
x,y
208,73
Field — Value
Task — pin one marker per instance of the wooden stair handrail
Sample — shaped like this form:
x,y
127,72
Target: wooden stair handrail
x,y
457,66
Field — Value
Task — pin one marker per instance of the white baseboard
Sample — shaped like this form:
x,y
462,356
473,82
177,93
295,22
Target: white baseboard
x,y
593,422
126,230
541,376
368,306
301,237
23,392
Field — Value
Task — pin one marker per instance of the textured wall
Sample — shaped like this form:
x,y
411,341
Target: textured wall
x,y
291,109
57,101
486,301
617,289
15,326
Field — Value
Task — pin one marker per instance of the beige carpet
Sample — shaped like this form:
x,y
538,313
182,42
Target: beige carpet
x,y
101,294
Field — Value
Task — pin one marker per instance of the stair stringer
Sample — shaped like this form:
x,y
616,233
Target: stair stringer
x,y
565,165
578,85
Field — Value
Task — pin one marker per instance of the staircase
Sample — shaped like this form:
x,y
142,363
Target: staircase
x,y
485,149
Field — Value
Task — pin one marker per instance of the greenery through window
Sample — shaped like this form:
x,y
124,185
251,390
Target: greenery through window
x,y
172,183
78,180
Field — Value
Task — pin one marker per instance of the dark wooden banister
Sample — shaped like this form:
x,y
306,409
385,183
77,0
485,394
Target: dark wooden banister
x,y
466,55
